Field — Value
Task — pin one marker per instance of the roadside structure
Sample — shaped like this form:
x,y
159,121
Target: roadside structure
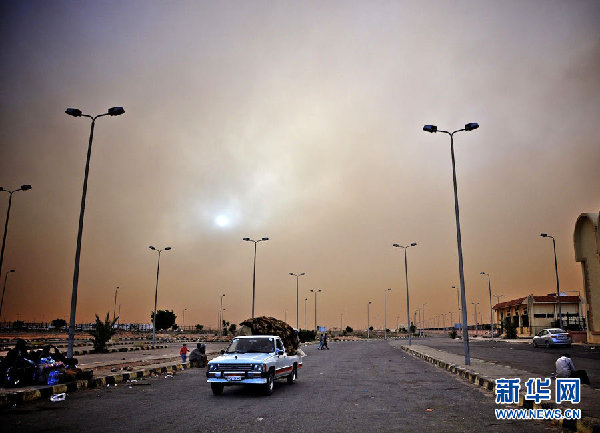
x,y
532,313
586,240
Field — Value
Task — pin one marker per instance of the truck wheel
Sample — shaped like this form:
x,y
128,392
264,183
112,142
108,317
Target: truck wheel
x,y
217,388
268,387
291,379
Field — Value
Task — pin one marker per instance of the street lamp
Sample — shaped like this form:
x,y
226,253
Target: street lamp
x,y
113,111
423,319
546,235
491,314
315,291
156,291
468,127
115,307
413,244
184,319
10,193
221,317
305,299
4,289
476,304
368,324
254,271
297,307
457,304
385,313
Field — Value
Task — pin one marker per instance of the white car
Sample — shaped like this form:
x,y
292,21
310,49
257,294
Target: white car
x,y
552,337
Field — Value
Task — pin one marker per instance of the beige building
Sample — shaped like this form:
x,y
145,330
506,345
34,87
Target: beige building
x,y
532,313
586,239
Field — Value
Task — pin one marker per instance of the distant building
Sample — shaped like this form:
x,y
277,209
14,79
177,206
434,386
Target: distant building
x,y
532,313
586,240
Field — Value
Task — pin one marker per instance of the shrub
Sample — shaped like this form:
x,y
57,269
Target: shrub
x,y
102,332
349,330
453,333
305,335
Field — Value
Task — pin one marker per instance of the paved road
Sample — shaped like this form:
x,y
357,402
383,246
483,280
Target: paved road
x,y
523,356
354,387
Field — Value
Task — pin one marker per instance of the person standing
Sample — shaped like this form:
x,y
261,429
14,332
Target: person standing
x,y
320,342
183,352
565,368
325,342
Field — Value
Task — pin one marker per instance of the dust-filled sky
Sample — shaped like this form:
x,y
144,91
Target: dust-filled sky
x,y
300,121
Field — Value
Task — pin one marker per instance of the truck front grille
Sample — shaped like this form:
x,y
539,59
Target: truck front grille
x,y
234,367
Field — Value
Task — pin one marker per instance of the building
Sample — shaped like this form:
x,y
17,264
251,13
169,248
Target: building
x,y
532,313
586,240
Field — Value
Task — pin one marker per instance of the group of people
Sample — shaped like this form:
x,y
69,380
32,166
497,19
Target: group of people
x,y
323,342
197,356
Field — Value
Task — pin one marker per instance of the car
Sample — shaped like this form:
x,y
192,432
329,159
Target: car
x,y
253,360
552,337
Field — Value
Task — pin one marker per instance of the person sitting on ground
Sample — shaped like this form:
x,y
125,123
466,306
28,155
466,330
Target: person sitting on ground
x,y
565,368
198,357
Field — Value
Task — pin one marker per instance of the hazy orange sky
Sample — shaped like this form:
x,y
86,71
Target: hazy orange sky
x,y
300,121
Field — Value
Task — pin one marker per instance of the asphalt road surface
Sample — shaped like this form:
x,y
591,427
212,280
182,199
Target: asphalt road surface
x,y
353,387
523,355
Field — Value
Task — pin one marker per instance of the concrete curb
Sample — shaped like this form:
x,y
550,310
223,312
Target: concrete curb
x,y
119,349
583,425
46,391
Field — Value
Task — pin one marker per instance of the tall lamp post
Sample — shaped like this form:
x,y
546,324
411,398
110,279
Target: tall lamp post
x,y
491,313
468,127
546,235
115,307
10,193
457,304
4,289
315,291
184,319
385,313
368,324
156,291
254,269
423,319
297,307
113,111
305,299
476,304
221,316
413,244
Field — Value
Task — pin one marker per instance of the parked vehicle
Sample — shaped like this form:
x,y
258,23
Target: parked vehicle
x,y
552,337
253,360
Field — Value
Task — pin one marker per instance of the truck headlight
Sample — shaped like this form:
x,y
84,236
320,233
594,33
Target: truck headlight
x,y
256,367
213,367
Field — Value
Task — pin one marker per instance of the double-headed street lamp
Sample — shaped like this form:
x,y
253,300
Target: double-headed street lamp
x,y
413,244
546,235
297,308
315,291
254,269
4,289
113,111
23,188
468,127
385,313
491,313
156,290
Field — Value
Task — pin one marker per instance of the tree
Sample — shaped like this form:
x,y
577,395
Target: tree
x,y
165,319
59,323
305,335
413,328
370,328
349,329
102,332
199,327
232,328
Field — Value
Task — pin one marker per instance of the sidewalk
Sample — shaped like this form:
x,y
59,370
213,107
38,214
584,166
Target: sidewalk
x,y
485,373
14,396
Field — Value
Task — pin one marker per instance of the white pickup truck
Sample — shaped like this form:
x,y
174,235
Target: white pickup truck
x,y
253,360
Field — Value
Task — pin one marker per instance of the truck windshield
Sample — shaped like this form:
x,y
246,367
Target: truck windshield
x,y
251,345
